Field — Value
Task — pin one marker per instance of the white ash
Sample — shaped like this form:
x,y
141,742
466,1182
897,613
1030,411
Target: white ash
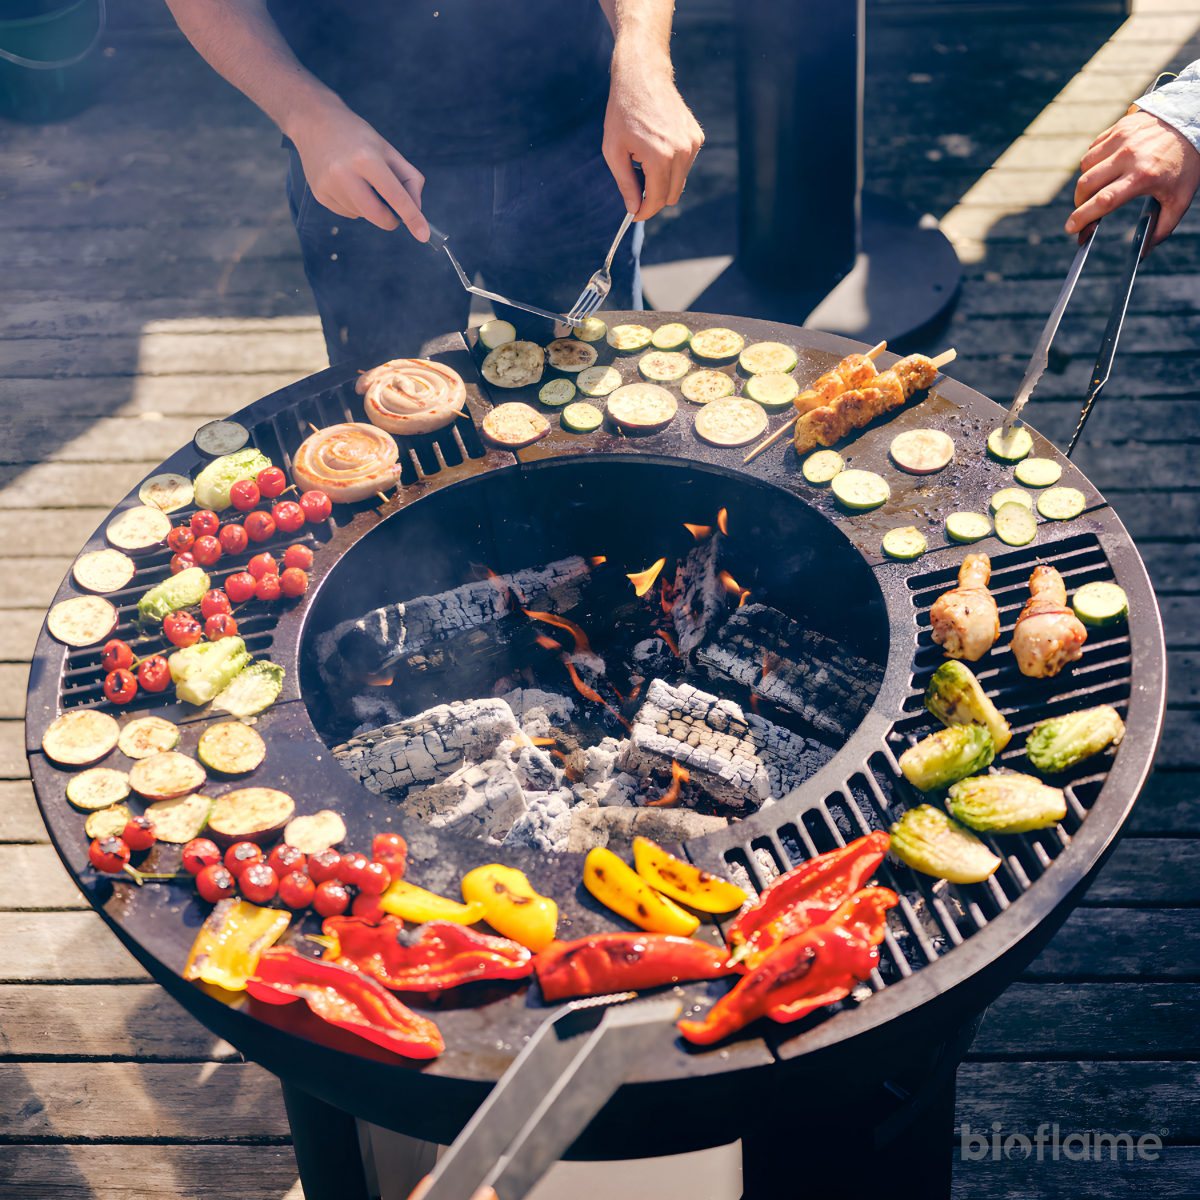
x,y
789,758
767,866
483,800
602,761
538,711
374,709
535,769
546,823
591,827
652,651
700,595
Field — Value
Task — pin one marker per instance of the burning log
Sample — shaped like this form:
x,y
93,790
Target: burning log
x,y
815,677
699,596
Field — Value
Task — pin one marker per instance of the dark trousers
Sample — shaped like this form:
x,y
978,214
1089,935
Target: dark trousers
x,y
535,227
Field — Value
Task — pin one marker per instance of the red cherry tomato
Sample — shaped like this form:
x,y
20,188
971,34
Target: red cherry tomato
x,y
207,551
218,626
139,834
182,629
259,526
205,523
298,556
215,883
268,588
241,855
262,564
181,561
244,495
350,866
258,883
271,482
200,853
287,515
331,898
214,602
154,674
316,505
233,538
284,859
392,849
116,656
120,686
324,865
181,538
374,879
109,855
293,582
368,908
240,587
296,890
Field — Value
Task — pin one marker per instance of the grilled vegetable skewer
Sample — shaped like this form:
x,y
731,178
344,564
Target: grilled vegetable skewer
x,y
1048,635
965,621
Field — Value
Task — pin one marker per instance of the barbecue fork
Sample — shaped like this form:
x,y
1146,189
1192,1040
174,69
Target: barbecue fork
x,y
600,283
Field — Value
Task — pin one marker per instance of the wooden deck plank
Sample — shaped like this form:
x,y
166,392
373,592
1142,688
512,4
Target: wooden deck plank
x,y
86,485
20,820
63,947
1148,871
1123,943
13,763
14,680
33,879
1171,1176
112,439
30,534
1169,803
19,633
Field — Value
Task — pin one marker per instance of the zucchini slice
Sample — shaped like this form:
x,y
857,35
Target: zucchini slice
x,y
1061,503
98,787
860,490
581,418
629,339
702,387
255,814
922,451
642,406
1038,472
822,466
731,422
767,358
514,365
104,571
81,737
1015,524
167,775
148,736
570,354
316,832
905,544
138,529
557,393
592,330
671,337
107,822
774,391
598,381
664,366
1013,448
716,345
231,748
169,492
1101,604
179,820
82,620
967,527
513,426
1009,496
496,333
215,440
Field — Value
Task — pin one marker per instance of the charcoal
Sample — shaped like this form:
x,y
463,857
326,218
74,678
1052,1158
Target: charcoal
x,y
546,823
819,679
700,596
617,827
482,800
538,711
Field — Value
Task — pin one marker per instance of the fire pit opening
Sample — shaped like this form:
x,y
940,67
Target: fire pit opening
x,y
538,655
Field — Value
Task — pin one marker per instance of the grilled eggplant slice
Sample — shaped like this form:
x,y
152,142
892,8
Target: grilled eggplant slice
x,y
166,776
104,571
255,814
98,788
315,832
82,620
148,736
80,737
167,492
1006,803
570,354
514,365
138,529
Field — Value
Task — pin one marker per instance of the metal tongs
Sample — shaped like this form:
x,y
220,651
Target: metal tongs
x,y
439,240
1112,332
562,1078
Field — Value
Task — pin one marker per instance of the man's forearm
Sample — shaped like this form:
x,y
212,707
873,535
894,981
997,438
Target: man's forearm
x,y
641,30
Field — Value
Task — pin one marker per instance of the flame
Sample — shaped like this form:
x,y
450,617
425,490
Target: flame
x,y
589,694
732,586
666,637
668,597
754,704
699,532
643,581
595,562
505,591
547,643
633,695
723,521
670,797
581,642
379,680
542,741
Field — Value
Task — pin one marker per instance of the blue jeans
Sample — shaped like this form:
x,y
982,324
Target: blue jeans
x,y
535,227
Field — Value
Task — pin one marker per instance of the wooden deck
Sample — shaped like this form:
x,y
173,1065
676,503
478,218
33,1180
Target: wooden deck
x,y
151,282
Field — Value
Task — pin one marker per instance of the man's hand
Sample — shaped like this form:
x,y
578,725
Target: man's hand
x,y
1140,155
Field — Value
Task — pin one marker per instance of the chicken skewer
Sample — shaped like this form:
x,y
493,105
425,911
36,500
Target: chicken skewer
x,y
965,621
853,409
1048,635
852,372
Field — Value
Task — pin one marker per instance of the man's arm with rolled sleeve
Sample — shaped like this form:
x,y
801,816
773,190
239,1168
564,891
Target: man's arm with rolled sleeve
x,y
1154,150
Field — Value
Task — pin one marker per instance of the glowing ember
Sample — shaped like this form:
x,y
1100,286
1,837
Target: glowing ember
x,y
379,680
643,581
668,597
542,741
666,637
590,694
670,797
548,643
769,665
595,562
699,532
581,642
723,522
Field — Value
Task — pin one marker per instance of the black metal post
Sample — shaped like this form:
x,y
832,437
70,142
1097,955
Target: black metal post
x,y
325,1140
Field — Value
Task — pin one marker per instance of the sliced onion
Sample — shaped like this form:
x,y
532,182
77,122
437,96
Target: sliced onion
x,y
347,462
412,395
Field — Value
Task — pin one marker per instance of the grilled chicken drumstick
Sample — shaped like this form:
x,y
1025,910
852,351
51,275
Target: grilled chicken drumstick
x,y
1048,634
965,620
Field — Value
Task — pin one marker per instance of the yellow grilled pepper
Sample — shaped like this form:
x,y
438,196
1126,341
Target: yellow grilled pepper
x,y
684,882
406,900
614,883
511,906
226,950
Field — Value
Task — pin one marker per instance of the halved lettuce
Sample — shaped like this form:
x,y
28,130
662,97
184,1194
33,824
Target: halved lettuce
x,y
213,483
202,671
252,690
180,591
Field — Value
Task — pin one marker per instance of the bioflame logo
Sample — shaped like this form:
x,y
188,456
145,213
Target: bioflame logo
x,y
1049,1143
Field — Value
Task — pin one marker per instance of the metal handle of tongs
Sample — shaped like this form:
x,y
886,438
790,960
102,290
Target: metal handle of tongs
x,y
562,1078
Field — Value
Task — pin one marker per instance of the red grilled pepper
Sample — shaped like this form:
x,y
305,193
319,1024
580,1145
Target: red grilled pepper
x,y
346,998
618,962
440,954
803,897
815,968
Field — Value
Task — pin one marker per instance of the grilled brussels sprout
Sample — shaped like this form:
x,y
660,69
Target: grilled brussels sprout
x,y
955,698
930,842
1006,803
1061,743
947,756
